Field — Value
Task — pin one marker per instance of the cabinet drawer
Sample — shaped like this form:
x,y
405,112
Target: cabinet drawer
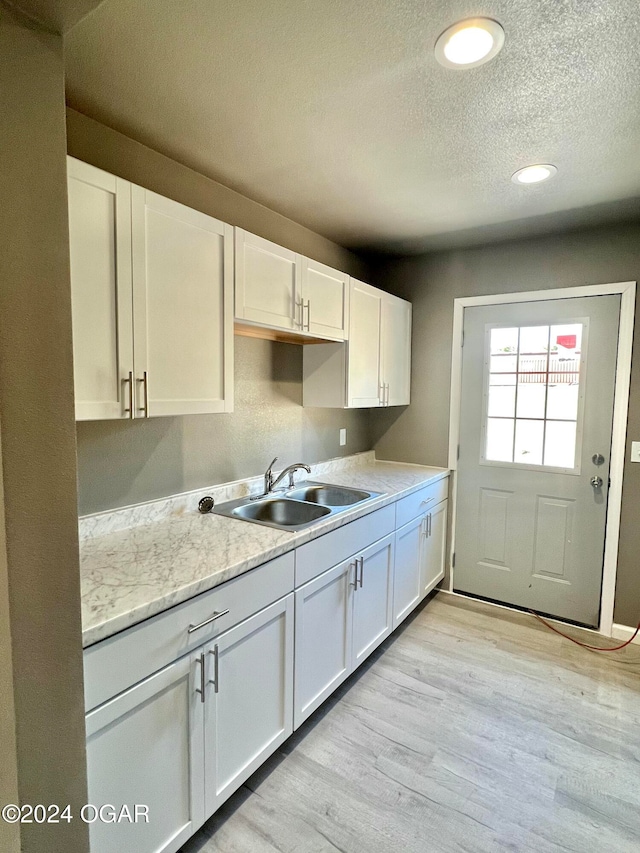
x,y
118,662
332,548
421,501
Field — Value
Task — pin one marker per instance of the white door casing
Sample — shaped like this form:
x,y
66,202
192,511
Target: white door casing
x,y
627,291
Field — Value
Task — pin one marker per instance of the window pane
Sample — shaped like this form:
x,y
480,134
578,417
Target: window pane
x,y
504,340
502,401
502,378
534,340
531,395
504,363
560,444
528,448
562,398
499,440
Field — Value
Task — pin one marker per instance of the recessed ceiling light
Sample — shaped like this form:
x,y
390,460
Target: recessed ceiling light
x,y
469,43
534,174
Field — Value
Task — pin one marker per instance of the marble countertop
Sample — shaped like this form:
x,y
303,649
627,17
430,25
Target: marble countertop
x,y
129,575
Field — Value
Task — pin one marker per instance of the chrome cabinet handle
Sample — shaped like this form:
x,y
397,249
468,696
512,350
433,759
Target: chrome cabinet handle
x,y
425,502
387,395
129,381
308,307
145,388
361,571
354,583
202,678
429,524
216,615
299,317
216,663
381,394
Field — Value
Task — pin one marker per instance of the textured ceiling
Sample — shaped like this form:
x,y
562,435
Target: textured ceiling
x,y
336,114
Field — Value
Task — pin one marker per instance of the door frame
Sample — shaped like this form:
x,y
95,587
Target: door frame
x,y
627,291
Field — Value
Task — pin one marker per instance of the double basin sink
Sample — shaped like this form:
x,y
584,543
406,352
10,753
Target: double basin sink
x,y
296,508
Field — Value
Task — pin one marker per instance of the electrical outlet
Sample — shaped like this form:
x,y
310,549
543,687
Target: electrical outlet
x,y
635,451
343,438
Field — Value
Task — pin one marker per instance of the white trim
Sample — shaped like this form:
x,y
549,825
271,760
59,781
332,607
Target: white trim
x,y
627,289
624,632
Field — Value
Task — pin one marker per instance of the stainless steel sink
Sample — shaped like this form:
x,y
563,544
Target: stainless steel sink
x,y
329,495
281,512
296,508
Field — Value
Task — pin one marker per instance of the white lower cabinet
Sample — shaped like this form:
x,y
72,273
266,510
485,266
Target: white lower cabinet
x,y
372,601
407,581
435,546
341,616
182,740
248,708
146,747
324,615
419,563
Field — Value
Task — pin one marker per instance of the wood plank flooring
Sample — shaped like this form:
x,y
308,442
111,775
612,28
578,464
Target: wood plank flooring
x,y
471,729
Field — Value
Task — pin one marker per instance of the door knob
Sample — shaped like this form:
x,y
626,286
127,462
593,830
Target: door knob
x,y
596,482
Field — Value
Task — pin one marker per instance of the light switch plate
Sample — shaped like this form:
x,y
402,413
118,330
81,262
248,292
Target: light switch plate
x,y
343,439
635,451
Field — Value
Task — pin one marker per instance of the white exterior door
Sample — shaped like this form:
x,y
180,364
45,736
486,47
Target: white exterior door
x,y
535,428
324,615
373,599
325,300
183,308
396,351
267,283
249,699
364,383
100,245
158,727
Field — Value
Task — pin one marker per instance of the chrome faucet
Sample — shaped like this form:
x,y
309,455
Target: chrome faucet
x,y
270,482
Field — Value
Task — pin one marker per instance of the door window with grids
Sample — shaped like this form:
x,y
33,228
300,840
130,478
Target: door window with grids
x,y
534,385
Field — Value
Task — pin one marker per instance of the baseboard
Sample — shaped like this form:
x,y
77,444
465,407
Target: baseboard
x,y
623,632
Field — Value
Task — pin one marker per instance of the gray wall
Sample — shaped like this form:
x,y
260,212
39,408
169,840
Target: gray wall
x,y
121,462
420,432
39,572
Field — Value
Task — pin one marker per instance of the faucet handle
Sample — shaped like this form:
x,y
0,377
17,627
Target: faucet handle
x,y
273,462
268,475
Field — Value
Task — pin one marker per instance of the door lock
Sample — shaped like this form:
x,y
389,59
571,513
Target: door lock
x,y
597,459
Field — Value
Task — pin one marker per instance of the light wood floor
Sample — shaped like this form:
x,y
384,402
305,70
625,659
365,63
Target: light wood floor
x,y
471,729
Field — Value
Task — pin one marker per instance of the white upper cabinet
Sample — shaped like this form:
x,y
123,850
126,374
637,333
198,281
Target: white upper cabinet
x,y
374,368
267,283
100,245
325,300
396,351
281,290
183,315
364,348
148,270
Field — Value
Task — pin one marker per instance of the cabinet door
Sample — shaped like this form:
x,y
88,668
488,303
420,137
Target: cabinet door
x,y
373,598
249,703
396,350
364,346
146,746
267,283
100,246
407,578
325,300
324,612
183,308
435,546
